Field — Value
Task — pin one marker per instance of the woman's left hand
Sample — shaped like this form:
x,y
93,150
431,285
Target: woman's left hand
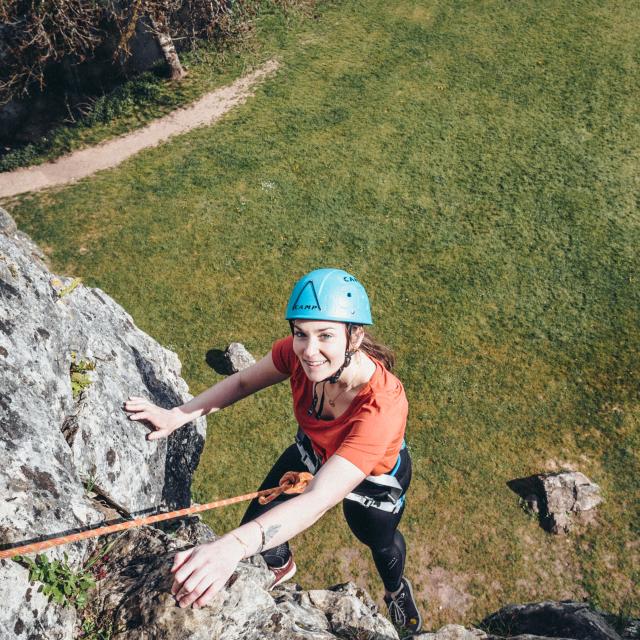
x,y
201,572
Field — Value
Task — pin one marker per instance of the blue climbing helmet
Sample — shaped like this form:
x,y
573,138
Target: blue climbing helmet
x,y
329,294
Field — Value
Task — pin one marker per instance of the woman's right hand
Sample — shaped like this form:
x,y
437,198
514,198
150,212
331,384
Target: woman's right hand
x,y
164,421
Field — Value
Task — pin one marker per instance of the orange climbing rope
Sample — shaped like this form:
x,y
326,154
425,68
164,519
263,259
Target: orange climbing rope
x,y
291,482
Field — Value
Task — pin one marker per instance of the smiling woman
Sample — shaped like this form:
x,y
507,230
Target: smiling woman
x,y
352,413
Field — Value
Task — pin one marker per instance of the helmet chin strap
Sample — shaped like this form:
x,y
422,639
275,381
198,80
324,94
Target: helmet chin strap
x,y
347,359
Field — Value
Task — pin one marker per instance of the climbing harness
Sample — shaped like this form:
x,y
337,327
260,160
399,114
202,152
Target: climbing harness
x,y
366,501
391,496
291,482
307,454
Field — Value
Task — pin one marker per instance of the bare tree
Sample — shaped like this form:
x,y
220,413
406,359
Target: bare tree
x,y
161,32
37,34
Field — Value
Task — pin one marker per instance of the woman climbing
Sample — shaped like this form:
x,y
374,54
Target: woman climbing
x,y
351,413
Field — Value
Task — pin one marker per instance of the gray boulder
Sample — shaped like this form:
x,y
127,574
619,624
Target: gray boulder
x,y
576,620
453,632
566,494
559,499
237,357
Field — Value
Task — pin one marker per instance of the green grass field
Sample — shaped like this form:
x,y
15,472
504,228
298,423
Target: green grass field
x,y
476,166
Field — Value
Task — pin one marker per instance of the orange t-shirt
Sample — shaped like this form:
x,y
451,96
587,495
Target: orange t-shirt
x,y
369,433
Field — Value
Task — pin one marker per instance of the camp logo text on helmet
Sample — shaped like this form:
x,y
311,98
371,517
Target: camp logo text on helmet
x,y
329,294
307,299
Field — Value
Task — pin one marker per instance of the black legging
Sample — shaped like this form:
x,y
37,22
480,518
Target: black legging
x,y
373,527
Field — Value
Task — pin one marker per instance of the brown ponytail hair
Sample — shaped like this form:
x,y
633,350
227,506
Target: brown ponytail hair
x,y
376,350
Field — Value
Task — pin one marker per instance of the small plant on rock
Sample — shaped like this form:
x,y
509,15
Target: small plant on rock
x,y
80,379
94,629
59,581
96,624
90,483
69,288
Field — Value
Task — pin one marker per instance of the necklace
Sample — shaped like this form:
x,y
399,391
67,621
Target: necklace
x,y
332,402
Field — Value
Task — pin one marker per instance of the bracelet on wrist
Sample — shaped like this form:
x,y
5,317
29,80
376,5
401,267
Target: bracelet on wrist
x,y
245,546
263,541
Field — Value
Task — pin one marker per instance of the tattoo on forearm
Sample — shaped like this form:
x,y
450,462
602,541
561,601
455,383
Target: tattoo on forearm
x,y
271,532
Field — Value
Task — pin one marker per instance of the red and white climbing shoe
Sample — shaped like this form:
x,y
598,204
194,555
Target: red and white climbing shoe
x,y
284,573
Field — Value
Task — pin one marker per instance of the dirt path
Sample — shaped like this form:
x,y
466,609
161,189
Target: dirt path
x,y
86,162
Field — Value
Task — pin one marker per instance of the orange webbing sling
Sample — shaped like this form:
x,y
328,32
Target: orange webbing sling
x,y
291,482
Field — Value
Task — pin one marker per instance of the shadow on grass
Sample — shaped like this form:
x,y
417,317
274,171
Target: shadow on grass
x,y
532,499
216,360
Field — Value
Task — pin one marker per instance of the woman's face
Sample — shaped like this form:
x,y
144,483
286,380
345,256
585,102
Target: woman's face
x,y
320,346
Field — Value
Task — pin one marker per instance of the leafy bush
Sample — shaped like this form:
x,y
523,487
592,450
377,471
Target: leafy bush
x,y
60,582
20,157
123,100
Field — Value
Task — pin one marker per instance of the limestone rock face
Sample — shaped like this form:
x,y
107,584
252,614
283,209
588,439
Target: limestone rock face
x,y
454,632
27,613
237,357
53,440
350,611
135,598
541,620
45,331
